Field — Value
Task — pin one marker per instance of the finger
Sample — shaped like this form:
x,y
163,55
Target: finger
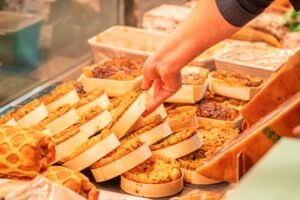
x,y
296,131
147,83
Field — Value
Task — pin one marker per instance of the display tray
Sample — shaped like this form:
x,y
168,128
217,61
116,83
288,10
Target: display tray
x,y
33,118
93,154
181,149
157,133
97,123
230,90
125,41
63,122
187,123
123,164
151,190
131,115
70,98
193,177
102,101
112,87
237,123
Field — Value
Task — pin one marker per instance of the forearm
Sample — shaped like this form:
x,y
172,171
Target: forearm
x,y
202,29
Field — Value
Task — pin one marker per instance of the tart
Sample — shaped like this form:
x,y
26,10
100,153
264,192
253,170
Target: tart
x,y
30,114
178,144
24,152
73,85
73,180
95,97
182,117
129,154
213,139
8,119
156,177
58,120
62,94
122,69
90,151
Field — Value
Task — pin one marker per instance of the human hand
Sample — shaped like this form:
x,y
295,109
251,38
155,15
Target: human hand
x,y
296,131
166,80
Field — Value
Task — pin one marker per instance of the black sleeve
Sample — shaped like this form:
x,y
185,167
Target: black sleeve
x,y
239,12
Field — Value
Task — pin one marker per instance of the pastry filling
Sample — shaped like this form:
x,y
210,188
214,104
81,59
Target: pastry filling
x,y
180,114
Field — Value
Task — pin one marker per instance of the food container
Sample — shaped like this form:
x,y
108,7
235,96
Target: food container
x,y
125,42
123,164
70,98
189,93
231,90
102,101
63,122
19,39
131,115
165,17
237,123
255,60
151,190
193,177
182,148
34,117
93,154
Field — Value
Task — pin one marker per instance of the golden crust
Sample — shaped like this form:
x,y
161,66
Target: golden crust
x,y
60,91
127,146
6,117
213,139
173,139
179,114
24,152
193,79
24,110
155,171
87,145
236,78
73,180
60,111
89,97
229,102
72,85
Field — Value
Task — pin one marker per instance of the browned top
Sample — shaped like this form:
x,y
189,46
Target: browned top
x,y
72,85
116,69
180,114
89,97
24,110
217,111
213,139
73,180
238,78
155,171
58,92
6,117
24,152
209,96
193,79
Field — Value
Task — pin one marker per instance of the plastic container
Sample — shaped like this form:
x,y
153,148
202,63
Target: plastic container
x,y
19,39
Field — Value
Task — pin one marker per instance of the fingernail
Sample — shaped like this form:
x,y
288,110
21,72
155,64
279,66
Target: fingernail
x,y
145,113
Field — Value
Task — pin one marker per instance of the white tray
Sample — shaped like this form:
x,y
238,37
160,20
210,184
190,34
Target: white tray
x,y
230,90
131,115
123,164
181,149
151,190
194,178
102,101
34,117
70,98
63,122
93,154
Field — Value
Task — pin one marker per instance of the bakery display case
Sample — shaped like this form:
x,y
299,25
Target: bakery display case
x,y
72,122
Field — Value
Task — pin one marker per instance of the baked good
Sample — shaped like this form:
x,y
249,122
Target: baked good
x,y
179,114
72,85
57,93
6,117
226,101
213,110
155,171
193,79
60,111
202,195
73,180
24,152
27,108
89,97
213,139
281,86
238,78
115,69
127,146
173,139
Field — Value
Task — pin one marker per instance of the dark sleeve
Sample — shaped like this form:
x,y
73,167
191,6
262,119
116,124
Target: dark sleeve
x,y
239,12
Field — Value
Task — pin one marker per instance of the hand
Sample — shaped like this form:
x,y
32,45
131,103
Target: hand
x,y
166,81
296,131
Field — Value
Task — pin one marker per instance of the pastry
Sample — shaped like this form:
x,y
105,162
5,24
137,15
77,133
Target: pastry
x,y
6,118
72,85
73,180
89,97
226,101
179,114
24,110
115,69
57,93
24,152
